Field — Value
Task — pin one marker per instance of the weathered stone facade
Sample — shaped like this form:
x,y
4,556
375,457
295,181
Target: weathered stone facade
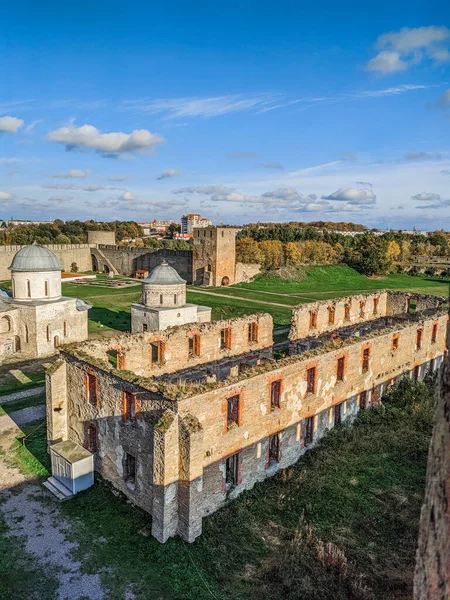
x,y
200,435
432,577
214,256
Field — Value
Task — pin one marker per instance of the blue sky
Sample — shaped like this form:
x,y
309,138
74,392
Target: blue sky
x,y
242,111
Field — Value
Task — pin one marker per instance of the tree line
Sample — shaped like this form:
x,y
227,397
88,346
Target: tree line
x,y
367,253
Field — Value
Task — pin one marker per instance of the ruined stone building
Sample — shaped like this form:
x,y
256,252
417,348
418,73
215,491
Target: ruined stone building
x,y
36,318
163,302
184,419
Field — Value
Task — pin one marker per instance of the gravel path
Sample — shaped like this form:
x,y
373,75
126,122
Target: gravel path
x,y
32,514
26,415
239,298
24,394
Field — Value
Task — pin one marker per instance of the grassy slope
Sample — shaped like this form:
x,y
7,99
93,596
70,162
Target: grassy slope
x,y
360,488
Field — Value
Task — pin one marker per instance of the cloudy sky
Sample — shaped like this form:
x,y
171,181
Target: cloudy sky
x,y
242,111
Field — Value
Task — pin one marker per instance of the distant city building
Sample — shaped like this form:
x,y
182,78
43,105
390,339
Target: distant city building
x,y
189,221
4,223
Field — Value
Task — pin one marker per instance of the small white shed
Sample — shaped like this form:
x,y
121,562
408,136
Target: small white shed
x,y
72,466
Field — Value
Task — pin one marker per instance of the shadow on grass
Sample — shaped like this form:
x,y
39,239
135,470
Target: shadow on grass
x,y
120,320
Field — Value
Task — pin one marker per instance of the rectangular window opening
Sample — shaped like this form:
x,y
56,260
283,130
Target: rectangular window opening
x,y
419,337
232,411
232,471
375,305
274,449
225,338
156,353
129,469
312,319
434,333
331,315
309,431
275,394
311,380
194,345
253,332
338,414
91,438
347,312
363,400
395,342
92,389
340,368
365,360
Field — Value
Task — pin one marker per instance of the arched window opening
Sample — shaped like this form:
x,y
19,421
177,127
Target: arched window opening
x,y
5,324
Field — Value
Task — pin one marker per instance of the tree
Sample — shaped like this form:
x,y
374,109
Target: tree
x,y
247,251
273,255
393,250
291,254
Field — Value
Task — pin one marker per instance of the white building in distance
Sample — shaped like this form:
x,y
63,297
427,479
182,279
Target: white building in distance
x,y
37,319
163,302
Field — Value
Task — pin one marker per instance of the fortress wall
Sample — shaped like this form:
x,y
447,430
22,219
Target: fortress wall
x,y
127,260
66,253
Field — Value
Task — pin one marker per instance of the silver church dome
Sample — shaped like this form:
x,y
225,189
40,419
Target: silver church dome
x,y
35,258
163,274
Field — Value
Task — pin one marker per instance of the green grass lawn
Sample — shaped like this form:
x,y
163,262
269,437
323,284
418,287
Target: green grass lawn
x,y
360,488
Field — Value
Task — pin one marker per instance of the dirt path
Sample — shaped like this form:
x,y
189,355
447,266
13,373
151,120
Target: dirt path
x,y
24,394
32,515
239,298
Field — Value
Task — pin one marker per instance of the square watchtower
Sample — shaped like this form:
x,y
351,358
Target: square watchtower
x,y
214,258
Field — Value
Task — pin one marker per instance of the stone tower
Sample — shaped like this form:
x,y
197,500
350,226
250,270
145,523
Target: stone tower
x,y
214,256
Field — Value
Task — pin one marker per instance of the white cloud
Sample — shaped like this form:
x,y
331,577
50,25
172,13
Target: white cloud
x,y
426,196
29,128
108,144
204,189
10,124
60,198
118,178
398,50
170,173
274,165
423,156
175,108
6,196
127,196
387,62
74,174
444,100
352,196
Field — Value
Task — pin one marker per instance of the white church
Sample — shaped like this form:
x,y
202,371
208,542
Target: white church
x,y
36,319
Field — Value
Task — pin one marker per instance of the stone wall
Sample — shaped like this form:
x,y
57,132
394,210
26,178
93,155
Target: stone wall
x,y
246,272
301,324
181,446
136,348
127,260
432,577
66,253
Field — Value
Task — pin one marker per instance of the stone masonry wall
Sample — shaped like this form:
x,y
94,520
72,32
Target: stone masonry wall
x,y
300,320
432,577
136,350
258,422
66,254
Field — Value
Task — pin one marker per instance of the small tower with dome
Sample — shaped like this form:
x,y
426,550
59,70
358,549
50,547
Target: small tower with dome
x,y
163,302
35,320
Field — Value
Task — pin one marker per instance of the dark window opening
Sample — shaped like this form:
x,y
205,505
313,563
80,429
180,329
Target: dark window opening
x,y
129,469
338,413
233,411
225,338
112,357
92,389
347,312
416,372
275,394
129,408
419,337
362,309
311,380
91,438
365,359
363,400
309,430
313,319
411,306
331,315
156,353
144,327
253,332
340,368
375,305
194,345
28,289
274,449
395,342
232,471
434,333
